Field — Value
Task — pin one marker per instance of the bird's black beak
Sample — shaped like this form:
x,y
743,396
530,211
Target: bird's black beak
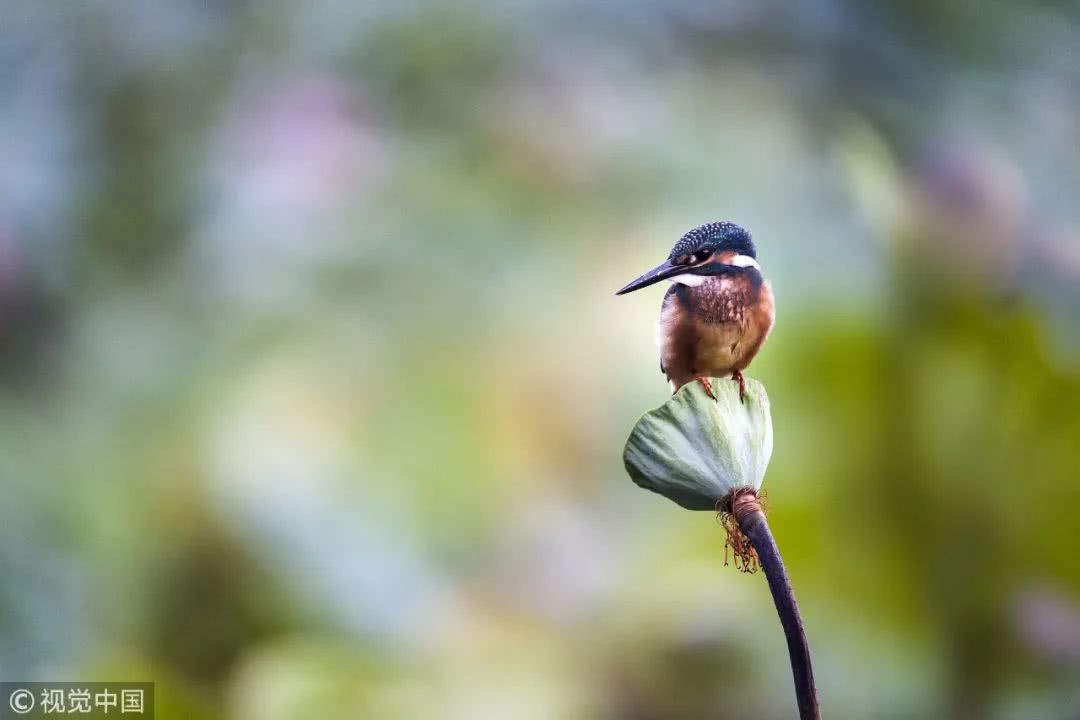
x,y
661,272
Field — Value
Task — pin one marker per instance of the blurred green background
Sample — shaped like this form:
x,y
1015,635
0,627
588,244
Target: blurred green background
x,y
313,386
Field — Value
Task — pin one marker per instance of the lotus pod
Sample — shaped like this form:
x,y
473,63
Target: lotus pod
x,y
695,450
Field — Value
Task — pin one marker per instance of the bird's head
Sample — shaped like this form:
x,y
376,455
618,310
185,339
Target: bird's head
x,y
712,249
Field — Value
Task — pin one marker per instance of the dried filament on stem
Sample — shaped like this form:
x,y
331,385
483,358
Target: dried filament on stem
x,y
737,544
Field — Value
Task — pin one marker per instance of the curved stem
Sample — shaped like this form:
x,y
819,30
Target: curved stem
x,y
756,528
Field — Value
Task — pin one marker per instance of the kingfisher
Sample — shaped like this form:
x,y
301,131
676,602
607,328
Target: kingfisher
x,y
718,310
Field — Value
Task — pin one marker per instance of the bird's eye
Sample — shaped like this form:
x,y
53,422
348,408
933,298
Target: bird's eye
x,y
694,258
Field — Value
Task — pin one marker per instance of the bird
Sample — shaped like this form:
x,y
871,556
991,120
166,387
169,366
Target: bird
x,y
718,311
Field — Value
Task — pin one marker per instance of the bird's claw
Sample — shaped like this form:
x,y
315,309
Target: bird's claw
x,y
706,385
737,376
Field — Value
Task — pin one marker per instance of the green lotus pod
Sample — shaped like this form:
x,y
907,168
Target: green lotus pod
x,y
695,450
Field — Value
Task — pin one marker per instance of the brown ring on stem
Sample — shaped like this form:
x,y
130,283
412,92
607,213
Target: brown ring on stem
x,y
744,519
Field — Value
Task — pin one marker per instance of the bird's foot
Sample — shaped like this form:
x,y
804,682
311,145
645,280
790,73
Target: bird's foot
x,y
737,376
707,385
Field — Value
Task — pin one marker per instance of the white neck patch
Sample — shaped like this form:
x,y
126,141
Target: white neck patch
x,y
688,280
745,261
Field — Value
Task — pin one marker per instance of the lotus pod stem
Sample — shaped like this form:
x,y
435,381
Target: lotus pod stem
x,y
746,508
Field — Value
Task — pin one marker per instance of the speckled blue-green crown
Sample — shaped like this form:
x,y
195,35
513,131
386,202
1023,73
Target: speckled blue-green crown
x,y
721,235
